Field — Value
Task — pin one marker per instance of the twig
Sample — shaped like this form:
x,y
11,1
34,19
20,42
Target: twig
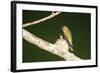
x,y
53,14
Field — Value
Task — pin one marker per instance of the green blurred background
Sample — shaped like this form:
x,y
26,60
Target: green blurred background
x,y
50,30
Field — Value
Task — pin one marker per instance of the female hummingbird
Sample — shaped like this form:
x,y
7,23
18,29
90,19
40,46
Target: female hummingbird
x,y
68,37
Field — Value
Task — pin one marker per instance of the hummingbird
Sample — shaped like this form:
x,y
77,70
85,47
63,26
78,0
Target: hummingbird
x,y
68,37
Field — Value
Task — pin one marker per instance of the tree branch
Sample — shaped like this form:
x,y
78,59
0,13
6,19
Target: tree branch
x,y
53,14
59,48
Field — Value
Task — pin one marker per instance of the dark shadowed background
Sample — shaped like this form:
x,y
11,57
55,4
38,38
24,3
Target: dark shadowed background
x,y
50,30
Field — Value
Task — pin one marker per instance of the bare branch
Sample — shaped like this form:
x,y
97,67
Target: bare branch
x,y
53,14
59,48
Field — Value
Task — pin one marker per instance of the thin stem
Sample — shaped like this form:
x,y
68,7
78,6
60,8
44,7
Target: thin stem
x,y
53,14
